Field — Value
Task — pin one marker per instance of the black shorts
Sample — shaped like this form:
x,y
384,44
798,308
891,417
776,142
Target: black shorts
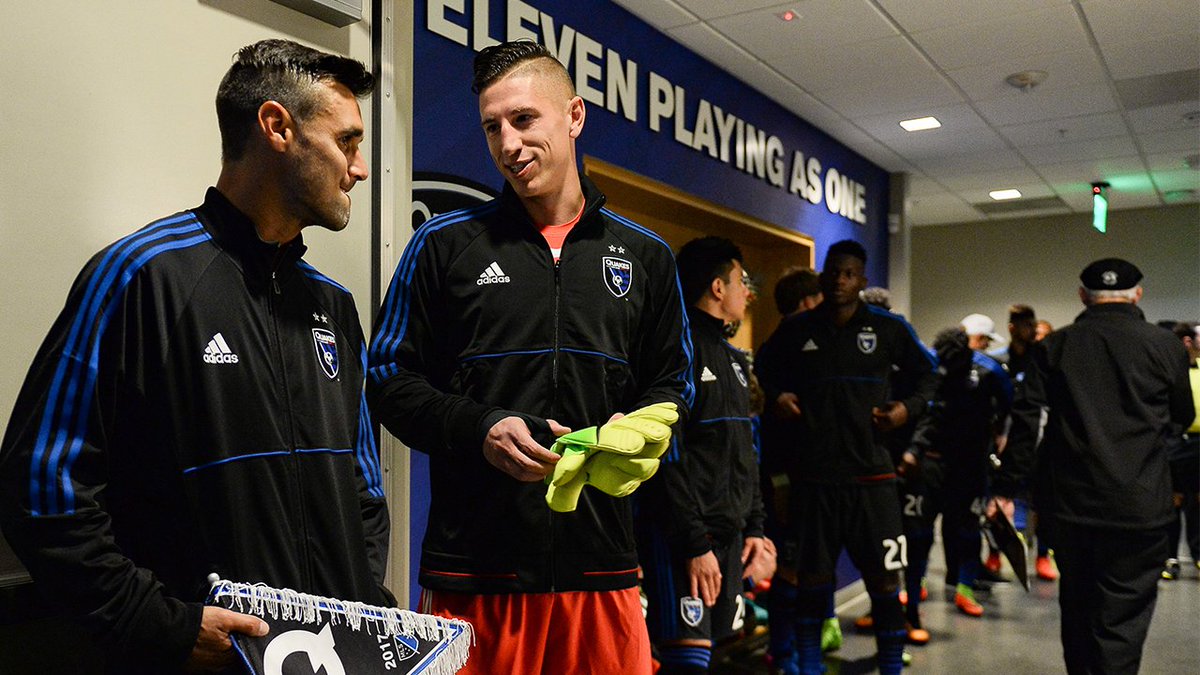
x,y
673,614
863,518
936,489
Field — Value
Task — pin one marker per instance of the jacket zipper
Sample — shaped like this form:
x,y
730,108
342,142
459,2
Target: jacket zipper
x,y
277,293
554,402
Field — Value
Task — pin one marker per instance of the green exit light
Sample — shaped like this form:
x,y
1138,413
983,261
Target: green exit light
x,y
1100,206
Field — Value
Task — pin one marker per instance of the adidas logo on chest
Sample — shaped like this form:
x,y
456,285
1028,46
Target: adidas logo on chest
x,y
218,351
492,274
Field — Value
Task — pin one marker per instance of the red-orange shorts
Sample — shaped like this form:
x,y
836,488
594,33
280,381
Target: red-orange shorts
x,y
595,632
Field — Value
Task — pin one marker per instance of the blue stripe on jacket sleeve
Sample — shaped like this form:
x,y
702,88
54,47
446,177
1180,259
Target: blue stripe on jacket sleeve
x,y
64,422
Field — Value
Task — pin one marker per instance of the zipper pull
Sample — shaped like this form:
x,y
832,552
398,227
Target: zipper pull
x,y
274,283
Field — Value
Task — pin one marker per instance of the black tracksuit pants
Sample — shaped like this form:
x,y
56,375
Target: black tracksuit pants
x,y
1107,594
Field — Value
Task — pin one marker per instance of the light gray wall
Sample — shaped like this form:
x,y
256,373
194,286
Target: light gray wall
x,y
107,122
985,267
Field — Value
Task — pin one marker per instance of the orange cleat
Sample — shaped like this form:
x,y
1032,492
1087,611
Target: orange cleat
x,y
924,592
865,622
903,597
917,636
964,600
993,562
1045,568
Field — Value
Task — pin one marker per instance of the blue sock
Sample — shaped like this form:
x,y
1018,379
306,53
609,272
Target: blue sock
x,y
811,605
781,606
889,632
684,660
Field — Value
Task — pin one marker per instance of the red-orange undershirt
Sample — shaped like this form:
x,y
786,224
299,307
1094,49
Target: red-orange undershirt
x,y
556,234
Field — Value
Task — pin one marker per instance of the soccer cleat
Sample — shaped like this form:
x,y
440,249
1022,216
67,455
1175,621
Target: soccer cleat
x,y
865,623
831,635
992,564
1045,568
906,658
903,597
917,636
964,600
924,591
1171,570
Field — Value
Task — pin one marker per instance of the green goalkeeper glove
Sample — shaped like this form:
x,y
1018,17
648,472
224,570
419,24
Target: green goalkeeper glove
x,y
616,458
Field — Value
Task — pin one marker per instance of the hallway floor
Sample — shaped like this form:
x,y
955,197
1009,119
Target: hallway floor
x,y
1018,633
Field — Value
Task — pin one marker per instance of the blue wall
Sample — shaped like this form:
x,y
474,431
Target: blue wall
x,y
605,39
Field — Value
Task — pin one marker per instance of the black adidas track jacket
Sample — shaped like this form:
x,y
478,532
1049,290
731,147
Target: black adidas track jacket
x,y
197,407
480,321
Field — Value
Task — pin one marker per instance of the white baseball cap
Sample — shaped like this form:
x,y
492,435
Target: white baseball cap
x,y
980,324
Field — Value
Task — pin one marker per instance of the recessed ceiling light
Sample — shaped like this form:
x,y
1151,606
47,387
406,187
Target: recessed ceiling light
x,y
921,124
788,15
1000,195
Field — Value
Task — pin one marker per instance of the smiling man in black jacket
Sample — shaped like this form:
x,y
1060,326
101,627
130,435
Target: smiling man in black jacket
x,y
197,407
505,325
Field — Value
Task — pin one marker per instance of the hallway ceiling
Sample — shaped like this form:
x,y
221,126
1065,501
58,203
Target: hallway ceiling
x,y
1120,103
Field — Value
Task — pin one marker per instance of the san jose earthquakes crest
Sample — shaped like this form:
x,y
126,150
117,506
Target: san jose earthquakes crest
x,y
327,353
867,342
691,610
618,275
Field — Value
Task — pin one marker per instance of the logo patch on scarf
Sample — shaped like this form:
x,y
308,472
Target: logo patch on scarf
x,y
618,276
327,352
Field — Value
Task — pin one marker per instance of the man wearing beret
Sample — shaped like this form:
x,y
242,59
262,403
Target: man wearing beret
x,y
1113,384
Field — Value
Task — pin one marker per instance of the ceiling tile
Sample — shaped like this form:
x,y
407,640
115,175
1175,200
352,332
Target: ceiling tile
x,y
1097,148
1064,70
1145,22
823,24
920,145
868,63
954,119
1178,142
1170,161
892,97
995,180
1045,31
1164,54
1166,117
1072,175
1032,190
711,9
951,165
1179,179
1036,105
1065,130
662,14
920,15
817,39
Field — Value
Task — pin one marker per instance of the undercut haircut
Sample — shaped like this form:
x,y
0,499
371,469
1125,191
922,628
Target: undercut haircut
x,y
702,260
796,284
1019,312
497,61
285,72
847,247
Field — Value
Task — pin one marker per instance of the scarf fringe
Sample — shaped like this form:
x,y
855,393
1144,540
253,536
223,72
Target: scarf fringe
x,y
288,605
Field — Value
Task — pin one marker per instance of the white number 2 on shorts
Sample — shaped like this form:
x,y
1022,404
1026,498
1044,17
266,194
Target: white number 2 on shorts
x,y
896,557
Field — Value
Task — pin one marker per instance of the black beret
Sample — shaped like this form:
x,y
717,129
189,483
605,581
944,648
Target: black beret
x,y
1110,274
